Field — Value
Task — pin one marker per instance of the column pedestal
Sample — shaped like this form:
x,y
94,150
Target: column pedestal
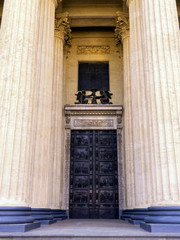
x,y
16,219
162,219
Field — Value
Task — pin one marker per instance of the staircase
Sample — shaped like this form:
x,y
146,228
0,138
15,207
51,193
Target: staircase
x,y
89,229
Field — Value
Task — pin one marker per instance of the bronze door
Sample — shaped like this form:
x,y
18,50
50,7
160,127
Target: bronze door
x,y
94,175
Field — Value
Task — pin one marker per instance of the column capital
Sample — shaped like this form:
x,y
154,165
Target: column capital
x,y
127,2
57,2
62,28
122,27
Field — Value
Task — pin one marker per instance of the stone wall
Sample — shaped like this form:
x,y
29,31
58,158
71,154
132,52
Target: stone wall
x,y
94,46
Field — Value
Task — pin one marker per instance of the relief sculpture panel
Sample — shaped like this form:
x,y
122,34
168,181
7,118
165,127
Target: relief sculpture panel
x,y
88,50
94,123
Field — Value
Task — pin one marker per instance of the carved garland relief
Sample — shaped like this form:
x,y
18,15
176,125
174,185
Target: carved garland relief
x,y
94,123
88,50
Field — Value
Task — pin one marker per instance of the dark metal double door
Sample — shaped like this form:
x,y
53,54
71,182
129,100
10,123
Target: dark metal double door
x,y
94,175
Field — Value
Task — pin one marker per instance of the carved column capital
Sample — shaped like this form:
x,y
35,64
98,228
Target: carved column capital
x,y
127,2
62,28
56,3
122,28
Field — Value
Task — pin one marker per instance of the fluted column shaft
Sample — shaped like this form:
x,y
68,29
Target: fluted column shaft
x,y
122,35
62,31
141,132
56,127
128,131
18,47
162,77
40,169
155,83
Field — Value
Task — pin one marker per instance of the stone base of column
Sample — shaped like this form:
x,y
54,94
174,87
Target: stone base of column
x,y
59,214
162,219
16,219
160,227
126,214
43,215
19,227
138,216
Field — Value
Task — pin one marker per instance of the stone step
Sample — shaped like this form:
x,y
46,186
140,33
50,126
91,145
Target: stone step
x,y
89,229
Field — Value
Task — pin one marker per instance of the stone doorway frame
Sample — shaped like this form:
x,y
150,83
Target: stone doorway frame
x,y
94,117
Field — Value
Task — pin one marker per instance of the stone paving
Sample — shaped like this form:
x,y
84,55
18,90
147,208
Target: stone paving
x,y
89,229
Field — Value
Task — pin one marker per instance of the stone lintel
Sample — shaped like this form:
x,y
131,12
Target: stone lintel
x,y
95,107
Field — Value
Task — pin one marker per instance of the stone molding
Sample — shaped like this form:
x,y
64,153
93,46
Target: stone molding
x,y
93,50
122,28
93,117
62,28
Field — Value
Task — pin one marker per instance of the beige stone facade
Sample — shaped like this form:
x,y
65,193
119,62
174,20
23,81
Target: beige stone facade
x,y
41,44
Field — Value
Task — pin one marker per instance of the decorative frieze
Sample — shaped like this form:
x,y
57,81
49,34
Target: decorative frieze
x,y
122,28
93,50
62,28
94,123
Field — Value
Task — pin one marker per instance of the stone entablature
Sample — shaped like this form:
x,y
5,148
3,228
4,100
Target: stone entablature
x,y
93,117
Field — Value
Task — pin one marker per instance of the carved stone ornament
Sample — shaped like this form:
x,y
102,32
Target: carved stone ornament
x,y
83,98
91,50
127,2
95,116
62,26
122,28
103,123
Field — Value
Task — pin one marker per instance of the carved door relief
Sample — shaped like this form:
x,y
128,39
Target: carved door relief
x,y
94,174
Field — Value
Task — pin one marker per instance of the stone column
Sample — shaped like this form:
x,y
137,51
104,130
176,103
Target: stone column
x,y
18,48
122,35
155,74
40,190
143,158
62,37
162,82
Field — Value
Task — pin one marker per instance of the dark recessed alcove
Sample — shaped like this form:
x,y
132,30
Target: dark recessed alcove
x,y
93,75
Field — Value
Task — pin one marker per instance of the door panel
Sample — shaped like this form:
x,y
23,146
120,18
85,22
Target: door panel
x,y
93,174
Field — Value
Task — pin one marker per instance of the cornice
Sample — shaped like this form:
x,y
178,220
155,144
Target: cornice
x,y
62,28
94,108
122,28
